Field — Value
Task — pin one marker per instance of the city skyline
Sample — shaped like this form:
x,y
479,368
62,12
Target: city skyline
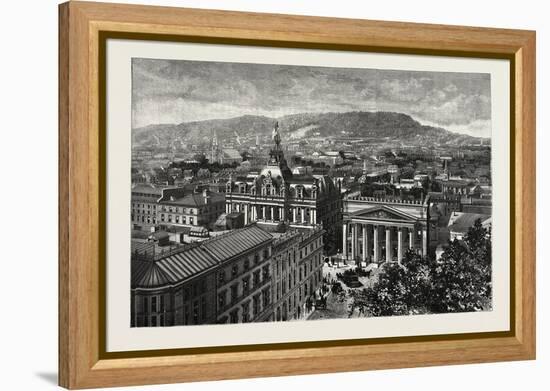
x,y
351,215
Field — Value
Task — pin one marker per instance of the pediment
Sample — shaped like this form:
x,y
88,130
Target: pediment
x,y
384,213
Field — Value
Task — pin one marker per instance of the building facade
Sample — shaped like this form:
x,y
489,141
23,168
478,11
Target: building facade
x,y
175,289
276,196
245,275
145,201
192,209
379,229
297,271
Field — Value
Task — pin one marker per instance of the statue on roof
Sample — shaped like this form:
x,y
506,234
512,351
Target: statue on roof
x,y
276,136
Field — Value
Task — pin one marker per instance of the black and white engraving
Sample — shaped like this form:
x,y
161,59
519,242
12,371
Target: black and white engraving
x,y
291,193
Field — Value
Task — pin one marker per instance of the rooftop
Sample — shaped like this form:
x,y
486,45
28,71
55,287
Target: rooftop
x,y
171,269
181,265
236,242
147,189
461,222
195,199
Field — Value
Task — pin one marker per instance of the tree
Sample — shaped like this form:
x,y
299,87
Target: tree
x,y
201,158
460,281
399,289
407,173
245,156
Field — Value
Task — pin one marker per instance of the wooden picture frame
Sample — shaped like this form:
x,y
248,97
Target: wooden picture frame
x,y
83,28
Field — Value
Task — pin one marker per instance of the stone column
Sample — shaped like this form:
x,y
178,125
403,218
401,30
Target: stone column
x,y
272,213
365,243
388,245
246,214
411,238
314,216
376,247
369,243
353,241
345,240
400,244
424,242
303,215
294,214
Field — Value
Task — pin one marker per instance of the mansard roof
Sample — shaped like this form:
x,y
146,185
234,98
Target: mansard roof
x,y
171,269
179,266
236,242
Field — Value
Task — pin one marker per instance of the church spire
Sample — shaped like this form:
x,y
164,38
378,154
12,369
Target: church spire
x,y
214,153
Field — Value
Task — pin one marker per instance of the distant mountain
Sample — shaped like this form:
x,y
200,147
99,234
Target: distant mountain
x,y
372,125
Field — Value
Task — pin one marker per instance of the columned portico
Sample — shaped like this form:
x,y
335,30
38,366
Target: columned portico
x,y
372,230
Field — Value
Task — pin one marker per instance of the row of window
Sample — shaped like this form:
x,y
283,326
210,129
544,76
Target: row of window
x,y
245,314
175,209
243,266
177,219
241,289
151,304
144,219
143,206
193,290
296,276
292,305
270,190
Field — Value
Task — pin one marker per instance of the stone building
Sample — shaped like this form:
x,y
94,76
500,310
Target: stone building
x,y
297,271
276,196
144,202
193,209
379,229
244,275
175,289
225,279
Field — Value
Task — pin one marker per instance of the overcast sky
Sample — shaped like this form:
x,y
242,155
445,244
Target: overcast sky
x,y
175,91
